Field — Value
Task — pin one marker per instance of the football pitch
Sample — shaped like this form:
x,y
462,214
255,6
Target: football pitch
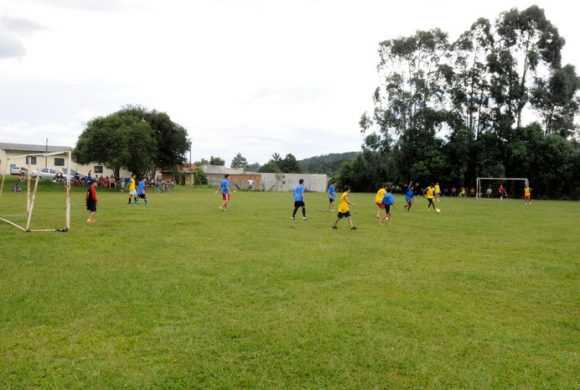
x,y
178,294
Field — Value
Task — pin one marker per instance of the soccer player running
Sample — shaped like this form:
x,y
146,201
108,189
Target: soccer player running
x,y
430,194
409,196
331,196
132,191
343,209
379,199
92,201
225,191
141,187
388,201
299,199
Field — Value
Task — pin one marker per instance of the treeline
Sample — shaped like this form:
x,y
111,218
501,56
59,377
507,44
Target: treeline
x,y
329,163
454,111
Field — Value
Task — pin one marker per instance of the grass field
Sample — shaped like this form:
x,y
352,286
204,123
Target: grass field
x,y
180,295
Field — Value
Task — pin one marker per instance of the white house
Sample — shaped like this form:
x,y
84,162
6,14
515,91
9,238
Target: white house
x,y
10,151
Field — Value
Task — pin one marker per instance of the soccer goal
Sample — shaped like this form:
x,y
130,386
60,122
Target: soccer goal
x,y
13,212
489,187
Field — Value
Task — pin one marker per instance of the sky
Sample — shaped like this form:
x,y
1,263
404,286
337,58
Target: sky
x,y
254,77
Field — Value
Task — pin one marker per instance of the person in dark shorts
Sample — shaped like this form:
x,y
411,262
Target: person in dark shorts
x,y
344,210
92,201
388,201
299,199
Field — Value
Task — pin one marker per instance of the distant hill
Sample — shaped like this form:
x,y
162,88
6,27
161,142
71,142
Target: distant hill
x,y
329,163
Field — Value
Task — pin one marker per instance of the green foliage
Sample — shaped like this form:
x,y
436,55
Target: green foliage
x,y
277,164
451,112
255,167
329,164
270,167
289,164
133,138
117,140
200,177
217,161
172,141
239,161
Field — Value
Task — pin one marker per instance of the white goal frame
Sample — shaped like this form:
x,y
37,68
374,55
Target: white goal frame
x,y
479,179
31,195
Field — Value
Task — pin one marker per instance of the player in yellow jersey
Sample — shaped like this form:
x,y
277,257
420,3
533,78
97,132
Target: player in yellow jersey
x,y
528,195
344,210
430,195
437,191
132,190
379,200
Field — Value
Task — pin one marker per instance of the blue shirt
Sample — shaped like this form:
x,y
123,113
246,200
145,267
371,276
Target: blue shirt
x,y
410,193
225,186
141,187
298,193
331,191
388,199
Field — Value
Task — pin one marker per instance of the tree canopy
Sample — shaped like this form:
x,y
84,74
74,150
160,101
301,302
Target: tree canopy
x,y
453,111
133,138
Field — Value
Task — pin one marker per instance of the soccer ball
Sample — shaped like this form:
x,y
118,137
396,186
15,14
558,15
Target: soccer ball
x,y
438,210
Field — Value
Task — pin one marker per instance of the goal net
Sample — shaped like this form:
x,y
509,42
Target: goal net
x,y
18,209
500,187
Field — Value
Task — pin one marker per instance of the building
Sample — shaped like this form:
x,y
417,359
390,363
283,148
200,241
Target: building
x,y
10,151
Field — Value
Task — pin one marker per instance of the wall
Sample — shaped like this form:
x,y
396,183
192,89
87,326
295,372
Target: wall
x,y
289,181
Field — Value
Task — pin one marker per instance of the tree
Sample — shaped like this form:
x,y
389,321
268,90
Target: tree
x,y
469,79
273,165
527,42
270,167
239,161
289,164
217,161
556,100
118,140
172,141
253,167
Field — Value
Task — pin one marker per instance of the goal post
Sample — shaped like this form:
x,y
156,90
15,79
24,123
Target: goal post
x,y
32,190
480,180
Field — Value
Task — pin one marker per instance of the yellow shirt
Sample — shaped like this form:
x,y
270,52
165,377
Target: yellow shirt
x,y
430,192
132,184
343,204
527,191
437,188
380,195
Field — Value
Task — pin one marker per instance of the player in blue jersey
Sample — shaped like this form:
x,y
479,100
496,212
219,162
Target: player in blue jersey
x,y
225,191
299,199
141,188
331,196
409,196
388,201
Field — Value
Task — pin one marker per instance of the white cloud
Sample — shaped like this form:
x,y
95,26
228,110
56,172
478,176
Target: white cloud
x,y
249,76
10,45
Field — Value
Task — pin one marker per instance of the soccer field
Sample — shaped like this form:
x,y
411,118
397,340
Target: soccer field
x,y
178,294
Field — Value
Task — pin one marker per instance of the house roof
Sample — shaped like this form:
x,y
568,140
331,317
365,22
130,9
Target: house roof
x,y
34,148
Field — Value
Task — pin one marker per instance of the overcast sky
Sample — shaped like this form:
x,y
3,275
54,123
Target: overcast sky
x,y
249,76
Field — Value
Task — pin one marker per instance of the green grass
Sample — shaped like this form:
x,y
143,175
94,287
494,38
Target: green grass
x,y
180,295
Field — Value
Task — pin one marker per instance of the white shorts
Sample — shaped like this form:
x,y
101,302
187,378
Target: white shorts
x,y
133,192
